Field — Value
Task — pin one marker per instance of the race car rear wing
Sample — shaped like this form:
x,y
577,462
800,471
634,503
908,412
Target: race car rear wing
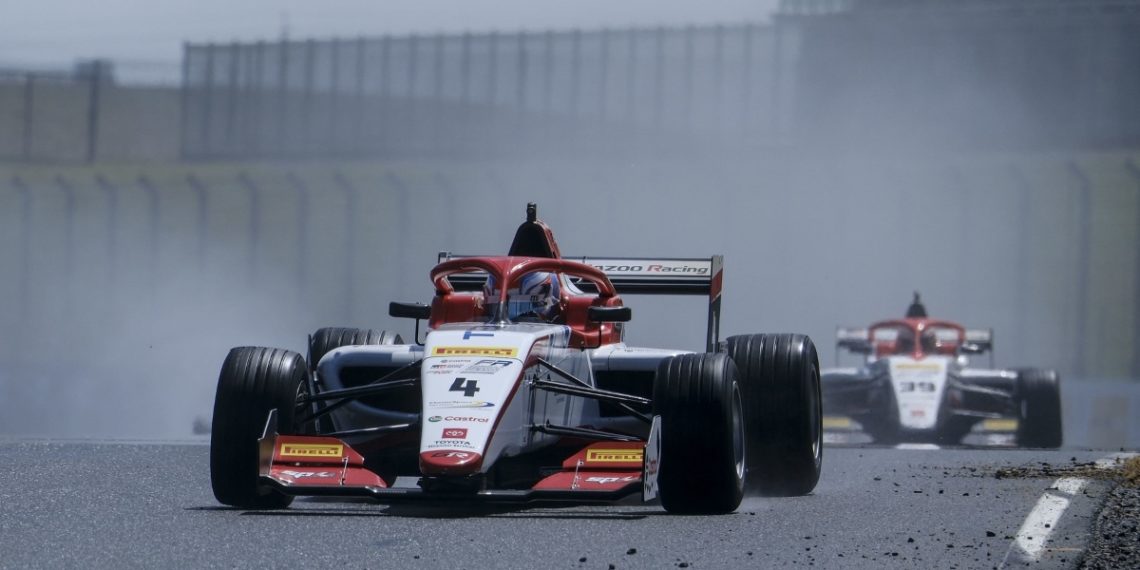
x,y
978,341
855,340
640,276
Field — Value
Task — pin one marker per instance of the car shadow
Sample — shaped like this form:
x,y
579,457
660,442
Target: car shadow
x,y
327,507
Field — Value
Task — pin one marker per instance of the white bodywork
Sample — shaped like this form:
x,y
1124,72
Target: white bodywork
x,y
477,385
918,386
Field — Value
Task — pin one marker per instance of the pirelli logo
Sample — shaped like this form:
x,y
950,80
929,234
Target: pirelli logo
x,y
905,366
311,450
613,455
500,351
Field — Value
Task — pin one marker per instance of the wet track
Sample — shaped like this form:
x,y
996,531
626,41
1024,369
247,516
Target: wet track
x,y
127,504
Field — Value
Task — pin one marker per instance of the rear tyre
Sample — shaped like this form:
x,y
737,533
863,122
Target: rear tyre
x,y
883,425
702,434
326,339
1039,406
783,407
252,382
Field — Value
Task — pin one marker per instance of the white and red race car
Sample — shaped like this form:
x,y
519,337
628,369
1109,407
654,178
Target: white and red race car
x,y
917,386
505,407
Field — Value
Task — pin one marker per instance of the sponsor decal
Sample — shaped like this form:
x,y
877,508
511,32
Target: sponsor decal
x,y
917,366
311,450
454,433
468,334
468,387
651,464
434,419
304,474
613,455
449,444
499,351
1003,424
608,480
444,368
474,419
487,366
457,404
836,422
908,386
453,454
655,267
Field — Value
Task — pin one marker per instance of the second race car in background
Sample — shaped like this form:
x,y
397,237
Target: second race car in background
x,y
917,385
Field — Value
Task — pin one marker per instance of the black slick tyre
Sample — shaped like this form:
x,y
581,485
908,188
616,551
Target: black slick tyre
x,y
1039,407
779,375
252,382
954,429
702,434
329,338
882,424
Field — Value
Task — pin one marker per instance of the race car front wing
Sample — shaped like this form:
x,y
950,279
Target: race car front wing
x,y
602,472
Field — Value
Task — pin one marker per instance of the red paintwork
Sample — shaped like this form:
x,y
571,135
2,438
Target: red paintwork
x,y
917,328
716,285
456,308
589,481
449,306
319,462
600,466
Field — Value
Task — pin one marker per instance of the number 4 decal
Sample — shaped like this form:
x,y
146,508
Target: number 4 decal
x,y
468,387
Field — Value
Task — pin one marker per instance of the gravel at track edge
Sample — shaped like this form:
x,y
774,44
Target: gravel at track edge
x,y
1115,541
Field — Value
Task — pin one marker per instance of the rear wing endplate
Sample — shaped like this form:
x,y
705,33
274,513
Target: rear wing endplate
x,y
640,276
855,340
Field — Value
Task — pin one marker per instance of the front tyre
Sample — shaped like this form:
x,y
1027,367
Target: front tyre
x,y
780,379
702,434
1039,407
252,382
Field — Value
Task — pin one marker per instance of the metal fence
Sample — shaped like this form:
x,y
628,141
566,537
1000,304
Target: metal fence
x,y
97,110
444,94
969,75
826,74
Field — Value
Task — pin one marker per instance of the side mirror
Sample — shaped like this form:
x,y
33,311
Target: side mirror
x,y
973,348
409,310
977,341
609,314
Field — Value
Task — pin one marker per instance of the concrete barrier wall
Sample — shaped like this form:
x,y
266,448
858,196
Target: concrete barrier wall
x,y
1101,414
128,283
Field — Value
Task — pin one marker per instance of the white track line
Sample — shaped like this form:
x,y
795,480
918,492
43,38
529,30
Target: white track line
x,y
918,446
1035,532
1114,460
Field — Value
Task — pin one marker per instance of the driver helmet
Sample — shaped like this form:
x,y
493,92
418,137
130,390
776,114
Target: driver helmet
x,y
536,298
905,341
930,342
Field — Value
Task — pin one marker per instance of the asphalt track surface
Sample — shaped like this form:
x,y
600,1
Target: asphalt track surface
x,y
100,505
